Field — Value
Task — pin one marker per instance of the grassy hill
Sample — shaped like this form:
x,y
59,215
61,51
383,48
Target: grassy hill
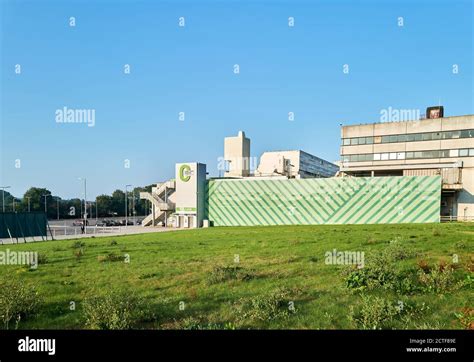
x,y
260,277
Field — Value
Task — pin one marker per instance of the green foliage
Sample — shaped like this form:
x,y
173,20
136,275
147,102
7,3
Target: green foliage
x,y
115,310
380,313
17,302
192,323
274,305
437,280
110,257
220,274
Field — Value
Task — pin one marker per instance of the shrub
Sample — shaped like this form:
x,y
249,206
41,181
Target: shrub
x,y
466,318
225,273
195,324
380,313
110,257
276,304
17,301
115,310
113,242
439,279
78,244
78,253
42,258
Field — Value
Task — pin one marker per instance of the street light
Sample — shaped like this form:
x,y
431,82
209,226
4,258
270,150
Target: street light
x,y
57,200
126,204
29,198
45,210
85,202
3,196
96,210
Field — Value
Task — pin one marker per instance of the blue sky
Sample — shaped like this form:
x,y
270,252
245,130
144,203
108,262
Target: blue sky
x,y
190,69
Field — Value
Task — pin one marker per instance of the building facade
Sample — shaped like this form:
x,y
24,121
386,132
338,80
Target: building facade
x,y
441,146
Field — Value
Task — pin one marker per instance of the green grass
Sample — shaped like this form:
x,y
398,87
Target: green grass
x,y
278,266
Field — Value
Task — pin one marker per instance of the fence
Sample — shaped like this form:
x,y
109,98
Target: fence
x,y
23,224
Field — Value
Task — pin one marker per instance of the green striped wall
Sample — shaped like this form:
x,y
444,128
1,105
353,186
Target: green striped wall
x,y
348,200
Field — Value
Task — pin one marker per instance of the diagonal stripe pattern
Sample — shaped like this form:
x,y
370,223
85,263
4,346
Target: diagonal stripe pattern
x,y
362,200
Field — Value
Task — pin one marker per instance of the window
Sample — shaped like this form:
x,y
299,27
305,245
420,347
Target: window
x,y
471,152
400,155
444,153
410,155
418,154
346,159
384,156
453,153
418,137
393,138
427,136
402,138
465,134
436,135
370,140
354,141
346,141
385,139
447,135
464,152
376,156
471,133
393,155
362,141
456,134
410,137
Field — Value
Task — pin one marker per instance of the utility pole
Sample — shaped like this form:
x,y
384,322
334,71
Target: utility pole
x,y
3,196
85,202
126,204
57,200
45,207
29,198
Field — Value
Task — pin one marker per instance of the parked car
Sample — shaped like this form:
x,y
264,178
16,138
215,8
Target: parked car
x,y
125,222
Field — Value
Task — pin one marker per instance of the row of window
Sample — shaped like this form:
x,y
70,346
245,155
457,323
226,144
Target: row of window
x,y
465,152
410,137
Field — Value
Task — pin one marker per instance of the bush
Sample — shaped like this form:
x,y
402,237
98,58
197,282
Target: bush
x,y
110,257
195,324
276,304
439,279
115,310
78,244
225,273
17,302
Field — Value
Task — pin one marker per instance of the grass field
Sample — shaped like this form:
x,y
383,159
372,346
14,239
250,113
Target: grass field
x,y
261,277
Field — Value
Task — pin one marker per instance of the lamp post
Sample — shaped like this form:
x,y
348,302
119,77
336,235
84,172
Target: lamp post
x,y
85,202
96,210
57,200
29,198
45,207
3,196
126,204
13,205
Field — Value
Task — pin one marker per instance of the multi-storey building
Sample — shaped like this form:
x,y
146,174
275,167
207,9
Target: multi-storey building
x,y
443,146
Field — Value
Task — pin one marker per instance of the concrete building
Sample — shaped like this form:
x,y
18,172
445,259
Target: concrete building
x,y
294,164
237,155
441,146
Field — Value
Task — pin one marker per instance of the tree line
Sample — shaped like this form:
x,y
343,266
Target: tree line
x,y
35,198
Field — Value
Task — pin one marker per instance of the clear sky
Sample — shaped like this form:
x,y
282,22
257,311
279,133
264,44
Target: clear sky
x,y
190,69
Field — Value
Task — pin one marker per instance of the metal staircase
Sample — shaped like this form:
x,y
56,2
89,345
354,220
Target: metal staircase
x,y
161,207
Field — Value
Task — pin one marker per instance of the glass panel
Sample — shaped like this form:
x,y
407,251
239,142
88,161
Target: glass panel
x,y
426,136
471,152
453,153
384,156
456,134
401,155
346,141
393,138
393,156
418,155
409,155
464,152
418,137
370,140
410,137
402,138
377,139
376,156
465,134
447,135
385,139
362,141
354,141
346,159
471,133
444,153
436,135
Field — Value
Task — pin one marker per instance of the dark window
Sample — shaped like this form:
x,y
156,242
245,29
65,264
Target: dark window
x,y
427,136
393,138
370,140
465,134
402,138
385,139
